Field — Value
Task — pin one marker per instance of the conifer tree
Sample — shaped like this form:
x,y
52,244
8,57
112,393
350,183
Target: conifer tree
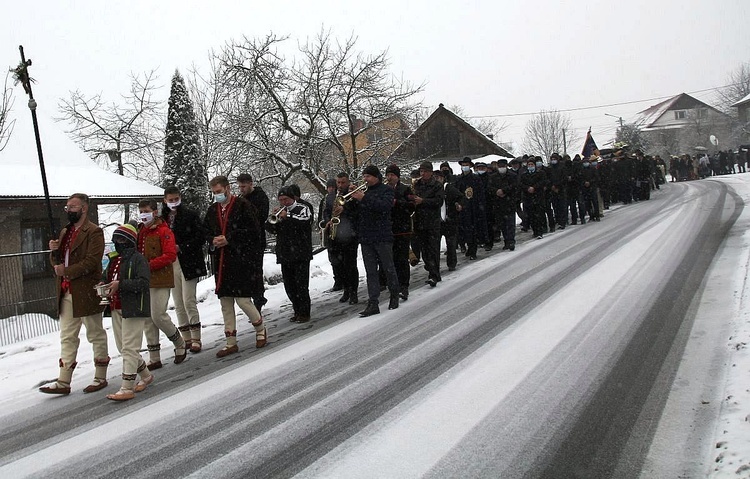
x,y
184,165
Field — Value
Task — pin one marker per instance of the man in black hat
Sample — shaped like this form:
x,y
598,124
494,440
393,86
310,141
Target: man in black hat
x,y
473,223
374,230
401,217
452,206
556,195
503,189
532,184
428,198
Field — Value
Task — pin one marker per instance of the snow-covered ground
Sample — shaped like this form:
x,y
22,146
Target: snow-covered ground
x,y
26,365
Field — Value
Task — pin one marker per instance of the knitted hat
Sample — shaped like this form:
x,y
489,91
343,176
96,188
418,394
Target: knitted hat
x,y
426,166
286,191
393,168
371,170
126,231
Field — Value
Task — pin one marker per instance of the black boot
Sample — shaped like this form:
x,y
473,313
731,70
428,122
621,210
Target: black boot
x,y
353,297
512,246
393,304
345,297
404,293
372,308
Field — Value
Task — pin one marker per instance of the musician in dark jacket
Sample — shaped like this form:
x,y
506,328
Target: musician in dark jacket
x,y
259,199
473,223
344,245
401,217
293,231
187,226
556,194
428,198
588,180
503,189
374,229
452,206
532,186
231,226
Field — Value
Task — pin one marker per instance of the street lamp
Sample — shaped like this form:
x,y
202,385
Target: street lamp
x,y
619,118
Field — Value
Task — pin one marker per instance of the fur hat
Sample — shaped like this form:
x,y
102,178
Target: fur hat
x,y
127,232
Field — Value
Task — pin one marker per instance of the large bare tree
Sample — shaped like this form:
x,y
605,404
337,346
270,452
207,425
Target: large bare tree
x,y
306,115
128,135
737,87
549,132
6,104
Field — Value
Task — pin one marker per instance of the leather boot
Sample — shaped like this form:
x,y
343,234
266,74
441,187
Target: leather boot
x,y
372,308
345,297
393,303
353,297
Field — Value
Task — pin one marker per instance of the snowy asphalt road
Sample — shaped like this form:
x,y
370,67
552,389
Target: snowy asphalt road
x,y
540,363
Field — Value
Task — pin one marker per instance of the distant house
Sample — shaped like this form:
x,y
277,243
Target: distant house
x,y
375,142
682,124
444,136
743,114
24,221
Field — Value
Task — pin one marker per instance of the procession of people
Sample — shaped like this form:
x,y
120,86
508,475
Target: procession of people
x,y
395,224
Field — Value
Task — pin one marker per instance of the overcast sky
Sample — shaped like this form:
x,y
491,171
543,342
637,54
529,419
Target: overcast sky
x,y
490,57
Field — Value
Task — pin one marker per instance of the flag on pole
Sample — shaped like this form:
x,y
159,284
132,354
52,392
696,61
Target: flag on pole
x,y
589,146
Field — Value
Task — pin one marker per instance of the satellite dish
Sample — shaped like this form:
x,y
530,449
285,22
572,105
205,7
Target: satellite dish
x,y
714,140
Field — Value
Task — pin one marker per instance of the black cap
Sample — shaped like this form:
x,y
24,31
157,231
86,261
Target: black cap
x,y
393,168
466,161
372,170
426,166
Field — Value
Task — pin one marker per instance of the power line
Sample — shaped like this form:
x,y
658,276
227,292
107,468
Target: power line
x,y
599,106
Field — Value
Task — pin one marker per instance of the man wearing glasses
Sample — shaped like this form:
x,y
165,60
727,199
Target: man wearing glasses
x,y
77,260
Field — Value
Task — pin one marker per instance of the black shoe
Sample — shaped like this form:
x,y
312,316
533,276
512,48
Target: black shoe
x,y
354,298
431,282
451,268
472,257
488,248
372,308
552,229
540,237
300,319
562,227
335,288
404,293
393,303
524,229
583,222
512,247
345,297
506,246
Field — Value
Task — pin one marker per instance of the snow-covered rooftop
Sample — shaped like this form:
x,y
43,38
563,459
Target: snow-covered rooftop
x,y
69,170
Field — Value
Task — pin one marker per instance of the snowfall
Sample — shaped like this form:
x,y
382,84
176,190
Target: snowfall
x,y
25,365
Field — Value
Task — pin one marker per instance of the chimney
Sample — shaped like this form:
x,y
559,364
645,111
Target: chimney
x,y
491,136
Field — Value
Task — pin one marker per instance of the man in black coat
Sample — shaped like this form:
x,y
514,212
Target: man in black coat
x,y
259,199
473,222
231,226
401,217
503,189
589,182
556,195
374,229
187,226
293,231
342,251
532,185
452,206
428,198
326,205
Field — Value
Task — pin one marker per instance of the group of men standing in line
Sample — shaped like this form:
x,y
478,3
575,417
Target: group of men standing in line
x,y
395,224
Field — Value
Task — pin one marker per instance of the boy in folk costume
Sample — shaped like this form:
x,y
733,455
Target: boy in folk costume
x,y
232,230
127,278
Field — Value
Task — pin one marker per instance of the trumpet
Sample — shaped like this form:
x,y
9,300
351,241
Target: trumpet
x,y
342,199
274,218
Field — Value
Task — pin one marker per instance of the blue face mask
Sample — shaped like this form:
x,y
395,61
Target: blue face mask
x,y
586,164
465,169
220,198
531,169
553,162
539,164
481,172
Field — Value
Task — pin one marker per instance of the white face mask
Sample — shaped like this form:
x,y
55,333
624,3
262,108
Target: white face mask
x,y
465,169
502,170
173,206
145,218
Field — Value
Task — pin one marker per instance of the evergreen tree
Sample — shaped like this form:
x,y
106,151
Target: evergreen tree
x,y
184,165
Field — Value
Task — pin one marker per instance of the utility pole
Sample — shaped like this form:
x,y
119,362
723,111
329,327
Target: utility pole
x,y
619,118
565,143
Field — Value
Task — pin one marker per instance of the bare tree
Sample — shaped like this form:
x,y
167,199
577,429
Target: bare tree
x,y
304,117
549,132
129,135
6,105
738,87
490,127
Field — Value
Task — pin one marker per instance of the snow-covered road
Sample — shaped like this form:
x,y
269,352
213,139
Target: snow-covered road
x,y
557,360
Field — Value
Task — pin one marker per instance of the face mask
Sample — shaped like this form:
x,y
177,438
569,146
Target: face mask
x,y
74,216
173,206
502,170
465,169
553,162
446,173
123,248
531,169
146,218
220,198
586,164
539,164
481,172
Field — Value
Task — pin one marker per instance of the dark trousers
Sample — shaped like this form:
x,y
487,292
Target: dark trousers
x,y
590,202
401,245
450,232
559,206
508,227
344,261
259,289
296,277
490,226
429,244
374,255
534,208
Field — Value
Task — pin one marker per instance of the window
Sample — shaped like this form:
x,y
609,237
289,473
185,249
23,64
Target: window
x,y
32,239
680,114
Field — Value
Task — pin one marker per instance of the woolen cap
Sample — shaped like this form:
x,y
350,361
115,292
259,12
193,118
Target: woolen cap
x,y
393,168
426,166
126,231
372,170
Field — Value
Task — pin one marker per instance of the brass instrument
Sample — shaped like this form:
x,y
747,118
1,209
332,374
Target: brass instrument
x,y
342,199
274,218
